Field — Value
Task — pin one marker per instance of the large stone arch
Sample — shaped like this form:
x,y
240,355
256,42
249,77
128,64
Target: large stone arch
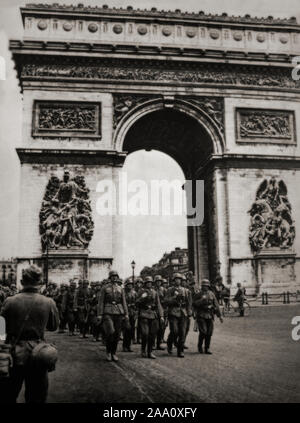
x,y
181,105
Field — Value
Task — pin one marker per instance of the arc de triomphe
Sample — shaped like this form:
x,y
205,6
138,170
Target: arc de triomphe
x,y
216,93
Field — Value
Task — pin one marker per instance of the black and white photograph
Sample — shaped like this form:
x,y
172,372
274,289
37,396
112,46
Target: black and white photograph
x,y
150,205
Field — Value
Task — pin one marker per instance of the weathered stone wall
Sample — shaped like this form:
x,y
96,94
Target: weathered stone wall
x,y
242,187
74,142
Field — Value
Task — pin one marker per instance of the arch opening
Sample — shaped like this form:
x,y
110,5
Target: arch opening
x,y
182,137
174,133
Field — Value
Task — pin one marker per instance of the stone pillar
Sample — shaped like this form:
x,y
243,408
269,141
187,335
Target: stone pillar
x,y
222,229
117,223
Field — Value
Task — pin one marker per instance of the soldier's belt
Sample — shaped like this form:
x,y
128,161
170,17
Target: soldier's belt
x,y
148,308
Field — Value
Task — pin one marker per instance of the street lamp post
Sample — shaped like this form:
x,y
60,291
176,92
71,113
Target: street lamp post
x,y
133,267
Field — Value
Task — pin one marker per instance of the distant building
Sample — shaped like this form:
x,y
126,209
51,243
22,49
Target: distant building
x,y
170,263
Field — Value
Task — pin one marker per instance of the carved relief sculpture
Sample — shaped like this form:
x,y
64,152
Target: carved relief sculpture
x,y
115,69
258,125
213,106
66,119
271,218
125,102
65,216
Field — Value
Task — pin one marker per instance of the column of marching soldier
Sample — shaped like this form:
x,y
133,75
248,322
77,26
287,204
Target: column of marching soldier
x,y
138,311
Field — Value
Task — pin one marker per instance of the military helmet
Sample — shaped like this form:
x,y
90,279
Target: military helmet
x,y
86,282
113,273
139,279
158,278
205,282
148,279
128,281
164,281
183,277
177,275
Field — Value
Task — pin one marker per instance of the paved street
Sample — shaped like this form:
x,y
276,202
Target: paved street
x,y
254,360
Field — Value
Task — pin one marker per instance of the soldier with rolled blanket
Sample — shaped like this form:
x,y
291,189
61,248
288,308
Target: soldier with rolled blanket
x,y
111,311
179,304
206,306
150,312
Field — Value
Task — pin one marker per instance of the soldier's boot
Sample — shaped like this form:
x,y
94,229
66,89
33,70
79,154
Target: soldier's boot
x,y
207,345
149,351
242,313
151,355
200,343
108,357
114,357
143,354
159,341
180,352
169,343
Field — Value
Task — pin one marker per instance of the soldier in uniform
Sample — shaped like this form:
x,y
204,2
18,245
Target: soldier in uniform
x,y
111,310
91,316
129,329
80,306
161,291
150,312
95,327
180,308
27,315
188,324
52,291
206,306
60,304
240,298
138,286
13,290
69,308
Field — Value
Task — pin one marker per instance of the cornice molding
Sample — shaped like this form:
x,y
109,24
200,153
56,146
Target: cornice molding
x,y
248,161
154,13
64,156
